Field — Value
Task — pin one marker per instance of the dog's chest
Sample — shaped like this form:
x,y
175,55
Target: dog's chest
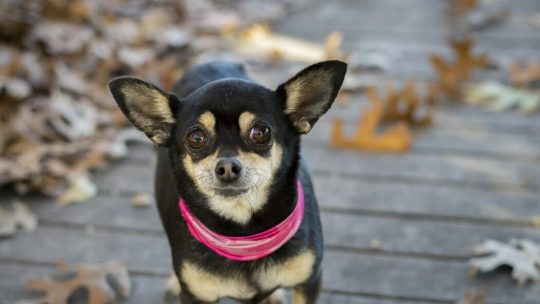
x,y
210,287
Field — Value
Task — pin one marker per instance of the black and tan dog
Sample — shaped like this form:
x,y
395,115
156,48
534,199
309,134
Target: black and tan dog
x,y
230,148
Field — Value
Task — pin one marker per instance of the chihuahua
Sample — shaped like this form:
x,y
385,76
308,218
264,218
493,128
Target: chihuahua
x,y
235,198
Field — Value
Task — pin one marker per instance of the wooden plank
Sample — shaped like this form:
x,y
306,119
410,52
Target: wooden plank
x,y
364,274
141,252
344,226
413,236
359,16
418,279
413,6
361,23
380,197
460,171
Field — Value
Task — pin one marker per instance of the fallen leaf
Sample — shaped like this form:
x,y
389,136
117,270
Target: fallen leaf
x,y
73,120
260,42
395,139
80,189
473,297
19,216
95,280
536,221
451,75
406,104
465,5
486,16
117,147
521,254
524,76
499,97
141,200
374,58
333,45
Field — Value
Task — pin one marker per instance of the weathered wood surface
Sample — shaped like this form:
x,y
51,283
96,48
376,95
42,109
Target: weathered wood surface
x,y
473,175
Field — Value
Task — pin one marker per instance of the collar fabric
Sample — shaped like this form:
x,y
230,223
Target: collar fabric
x,y
249,247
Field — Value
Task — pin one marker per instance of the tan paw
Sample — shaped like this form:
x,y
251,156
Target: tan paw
x,y
173,288
277,297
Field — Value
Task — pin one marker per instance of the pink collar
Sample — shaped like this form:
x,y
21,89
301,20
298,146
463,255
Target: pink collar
x,y
250,247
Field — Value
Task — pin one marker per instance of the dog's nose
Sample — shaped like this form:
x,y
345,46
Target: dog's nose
x,y
228,169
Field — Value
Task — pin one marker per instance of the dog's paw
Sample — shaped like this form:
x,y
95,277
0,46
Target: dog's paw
x,y
277,297
173,288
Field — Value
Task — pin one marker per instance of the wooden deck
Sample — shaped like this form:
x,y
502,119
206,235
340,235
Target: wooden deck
x,y
473,175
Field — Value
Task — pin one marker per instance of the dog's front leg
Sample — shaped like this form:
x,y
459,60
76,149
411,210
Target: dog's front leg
x,y
307,292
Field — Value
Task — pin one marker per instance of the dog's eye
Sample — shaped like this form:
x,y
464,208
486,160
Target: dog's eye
x,y
197,138
260,134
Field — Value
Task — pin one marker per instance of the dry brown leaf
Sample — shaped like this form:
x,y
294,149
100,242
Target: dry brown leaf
x,y
473,297
94,279
141,200
80,189
406,104
259,41
395,139
333,45
18,216
523,76
451,75
465,5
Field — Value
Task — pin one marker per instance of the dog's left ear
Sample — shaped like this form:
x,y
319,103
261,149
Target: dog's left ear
x,y
311,92
146,106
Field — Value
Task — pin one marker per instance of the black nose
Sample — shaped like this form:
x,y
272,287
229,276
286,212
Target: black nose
x,y
228,169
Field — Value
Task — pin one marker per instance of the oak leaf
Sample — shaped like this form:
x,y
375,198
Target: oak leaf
x,y
521,254
451,75
94,279
395,139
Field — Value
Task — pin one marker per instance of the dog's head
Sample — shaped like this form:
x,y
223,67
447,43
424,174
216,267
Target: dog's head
x,y
232,139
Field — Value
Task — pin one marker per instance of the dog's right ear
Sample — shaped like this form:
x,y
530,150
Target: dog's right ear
x,y
147,107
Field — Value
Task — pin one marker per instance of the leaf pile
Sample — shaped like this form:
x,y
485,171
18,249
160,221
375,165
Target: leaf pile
x,y
57,118
520,254
100,284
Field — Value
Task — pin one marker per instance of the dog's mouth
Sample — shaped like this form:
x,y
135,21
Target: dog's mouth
x,y
230,191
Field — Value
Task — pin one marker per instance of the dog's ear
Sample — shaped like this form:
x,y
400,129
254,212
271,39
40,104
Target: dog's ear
x,y
311,92
147,107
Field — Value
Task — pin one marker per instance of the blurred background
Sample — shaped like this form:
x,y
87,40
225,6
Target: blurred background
x,y
427,168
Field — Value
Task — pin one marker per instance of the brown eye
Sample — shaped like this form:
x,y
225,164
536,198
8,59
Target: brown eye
x,y
259,134
196,139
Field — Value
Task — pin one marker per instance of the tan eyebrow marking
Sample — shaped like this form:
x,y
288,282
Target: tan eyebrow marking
x,y
208,121
245,120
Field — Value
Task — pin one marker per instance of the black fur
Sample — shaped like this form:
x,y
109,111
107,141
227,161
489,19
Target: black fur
x,y
226,91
